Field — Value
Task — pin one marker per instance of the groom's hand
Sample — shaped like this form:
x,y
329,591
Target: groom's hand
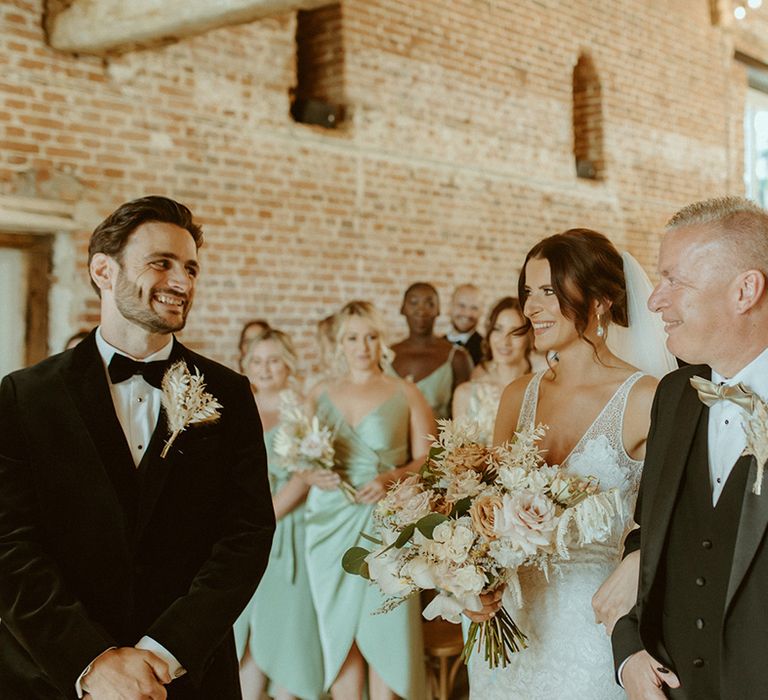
x,y
644,678
127,674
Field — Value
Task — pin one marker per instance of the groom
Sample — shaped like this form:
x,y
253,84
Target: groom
x,y
122,570
699,630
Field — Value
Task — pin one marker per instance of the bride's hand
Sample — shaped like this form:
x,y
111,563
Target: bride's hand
x,y
618,593
491,601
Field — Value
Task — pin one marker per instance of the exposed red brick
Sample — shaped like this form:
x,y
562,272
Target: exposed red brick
x,y
456,154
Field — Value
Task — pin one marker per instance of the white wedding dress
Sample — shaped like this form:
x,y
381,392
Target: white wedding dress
x,y
569,655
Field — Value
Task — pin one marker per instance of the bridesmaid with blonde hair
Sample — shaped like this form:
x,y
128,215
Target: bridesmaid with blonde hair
x,y
380,424
277,637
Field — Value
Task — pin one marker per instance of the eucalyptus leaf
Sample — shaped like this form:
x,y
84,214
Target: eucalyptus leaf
x,y
370,538
405,535
353,561
428,523
461,506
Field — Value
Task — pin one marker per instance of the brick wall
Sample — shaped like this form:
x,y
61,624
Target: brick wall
x,y
456,153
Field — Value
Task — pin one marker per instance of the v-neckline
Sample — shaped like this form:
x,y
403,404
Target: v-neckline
x,y
355,427
564,462
431,374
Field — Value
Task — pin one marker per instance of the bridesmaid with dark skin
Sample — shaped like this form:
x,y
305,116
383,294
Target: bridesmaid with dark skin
x,y
435,365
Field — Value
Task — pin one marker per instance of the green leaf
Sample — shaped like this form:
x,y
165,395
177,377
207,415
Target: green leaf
x,y
370,538
353,561
461,507
428,523
405,535
435,452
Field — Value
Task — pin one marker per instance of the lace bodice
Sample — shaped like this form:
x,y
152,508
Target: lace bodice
x,y
600,452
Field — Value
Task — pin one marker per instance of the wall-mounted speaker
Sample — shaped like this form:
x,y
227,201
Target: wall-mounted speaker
x,y
309,110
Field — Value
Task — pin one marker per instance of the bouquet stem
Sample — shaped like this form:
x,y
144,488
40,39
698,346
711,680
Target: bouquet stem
x,y
499,636
169,442
348,490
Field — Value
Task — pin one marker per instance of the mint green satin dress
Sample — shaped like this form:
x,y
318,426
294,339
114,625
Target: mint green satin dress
x,y
279,625
437,388
391,642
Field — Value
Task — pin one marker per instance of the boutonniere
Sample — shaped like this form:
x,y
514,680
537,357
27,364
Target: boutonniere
x,y
756,430
185,401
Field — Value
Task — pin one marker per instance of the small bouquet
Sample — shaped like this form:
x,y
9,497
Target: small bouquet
x,y
186,402
755,426
470,519
302,443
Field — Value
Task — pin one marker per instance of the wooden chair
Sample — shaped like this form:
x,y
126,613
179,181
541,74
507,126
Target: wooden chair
x,y
443,644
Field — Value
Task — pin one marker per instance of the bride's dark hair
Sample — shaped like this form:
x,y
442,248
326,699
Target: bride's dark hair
x,y
585,266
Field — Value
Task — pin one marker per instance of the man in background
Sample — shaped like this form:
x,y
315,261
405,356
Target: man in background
x,y
466,308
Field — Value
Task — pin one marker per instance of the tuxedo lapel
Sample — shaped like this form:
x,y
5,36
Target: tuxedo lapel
x,y
752,526
683,428
86,382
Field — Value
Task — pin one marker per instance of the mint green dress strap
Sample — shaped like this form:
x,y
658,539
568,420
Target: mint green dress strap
x,y
437,387
391,643
279,625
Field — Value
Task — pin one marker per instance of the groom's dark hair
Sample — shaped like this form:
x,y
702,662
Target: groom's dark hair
x,y
112,234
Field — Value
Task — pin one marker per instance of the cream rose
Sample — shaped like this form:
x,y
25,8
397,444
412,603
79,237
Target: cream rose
x,y
482,512
416,507
401,493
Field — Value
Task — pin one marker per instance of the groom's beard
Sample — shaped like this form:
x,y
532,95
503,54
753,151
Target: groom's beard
x,y
135,305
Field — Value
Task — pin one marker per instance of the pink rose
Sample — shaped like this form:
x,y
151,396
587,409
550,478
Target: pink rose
x,y
527,519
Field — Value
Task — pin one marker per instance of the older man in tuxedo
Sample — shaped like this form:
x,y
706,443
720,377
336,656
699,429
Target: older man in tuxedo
x,y
699,630
123,566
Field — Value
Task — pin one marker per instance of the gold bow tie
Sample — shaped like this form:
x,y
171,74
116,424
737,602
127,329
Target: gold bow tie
x,y
710,393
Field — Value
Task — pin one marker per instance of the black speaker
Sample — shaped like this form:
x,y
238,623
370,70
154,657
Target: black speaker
x,y
308,110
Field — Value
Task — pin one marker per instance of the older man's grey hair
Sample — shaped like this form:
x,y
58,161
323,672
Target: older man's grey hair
x,y
740,224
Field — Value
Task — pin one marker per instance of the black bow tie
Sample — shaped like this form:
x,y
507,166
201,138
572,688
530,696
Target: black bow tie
x,y
122,368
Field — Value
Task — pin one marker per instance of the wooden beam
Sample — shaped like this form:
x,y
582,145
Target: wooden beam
x,y
103,26
32,215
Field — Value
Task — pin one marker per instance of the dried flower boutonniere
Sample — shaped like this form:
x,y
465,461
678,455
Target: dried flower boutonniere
x,y
756,430
185,401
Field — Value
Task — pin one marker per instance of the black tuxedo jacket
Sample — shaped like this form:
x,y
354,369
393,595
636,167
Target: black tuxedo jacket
x,y
474,346
96,553
743,671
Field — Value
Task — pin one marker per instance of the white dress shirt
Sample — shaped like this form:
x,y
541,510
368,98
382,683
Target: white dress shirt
x,y
455,336
725,431
137,405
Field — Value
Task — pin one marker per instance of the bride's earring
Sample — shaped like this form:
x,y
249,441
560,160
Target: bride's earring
x,y
600,327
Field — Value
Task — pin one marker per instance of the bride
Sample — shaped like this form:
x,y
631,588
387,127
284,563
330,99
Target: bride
x,y
597,407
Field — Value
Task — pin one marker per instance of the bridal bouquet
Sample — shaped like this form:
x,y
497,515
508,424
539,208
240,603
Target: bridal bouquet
x,y
470,519
302,443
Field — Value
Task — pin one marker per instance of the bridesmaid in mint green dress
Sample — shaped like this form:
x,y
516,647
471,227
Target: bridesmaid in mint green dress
x,y
380,423
277,637
433,363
